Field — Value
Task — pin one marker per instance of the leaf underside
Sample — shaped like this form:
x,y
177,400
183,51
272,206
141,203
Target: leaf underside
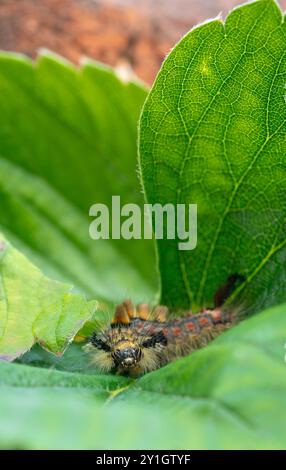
x,y
212,133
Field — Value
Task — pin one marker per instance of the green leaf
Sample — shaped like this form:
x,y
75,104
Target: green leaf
x,y
72,419
67,141
75,359
15,375
229,395
212,133
34,307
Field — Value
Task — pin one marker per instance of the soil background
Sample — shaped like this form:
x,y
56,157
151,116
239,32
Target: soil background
x,y
124,33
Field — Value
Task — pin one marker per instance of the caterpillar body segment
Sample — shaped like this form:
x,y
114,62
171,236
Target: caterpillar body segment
x,y
141,339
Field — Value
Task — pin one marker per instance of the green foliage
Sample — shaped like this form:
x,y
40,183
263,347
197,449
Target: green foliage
x,y
67,141
213,134
228,395
34,307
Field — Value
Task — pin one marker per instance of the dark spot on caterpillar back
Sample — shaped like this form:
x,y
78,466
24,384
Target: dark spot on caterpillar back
x,y
156,338
99,343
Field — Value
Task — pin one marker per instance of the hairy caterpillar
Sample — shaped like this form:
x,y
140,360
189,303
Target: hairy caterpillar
x,y
140,339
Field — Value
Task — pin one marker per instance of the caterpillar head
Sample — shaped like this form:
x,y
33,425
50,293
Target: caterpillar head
x,y
123,349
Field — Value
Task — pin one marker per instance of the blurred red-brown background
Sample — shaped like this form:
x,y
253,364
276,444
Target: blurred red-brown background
x,y
117,32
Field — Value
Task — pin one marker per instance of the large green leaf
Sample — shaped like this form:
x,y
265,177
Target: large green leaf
x,y
231,394
34,307
75,359
213,133
67,141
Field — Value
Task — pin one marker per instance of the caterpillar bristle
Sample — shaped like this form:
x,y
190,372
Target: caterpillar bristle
x,y
143,311
130,308
160,313
121,316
